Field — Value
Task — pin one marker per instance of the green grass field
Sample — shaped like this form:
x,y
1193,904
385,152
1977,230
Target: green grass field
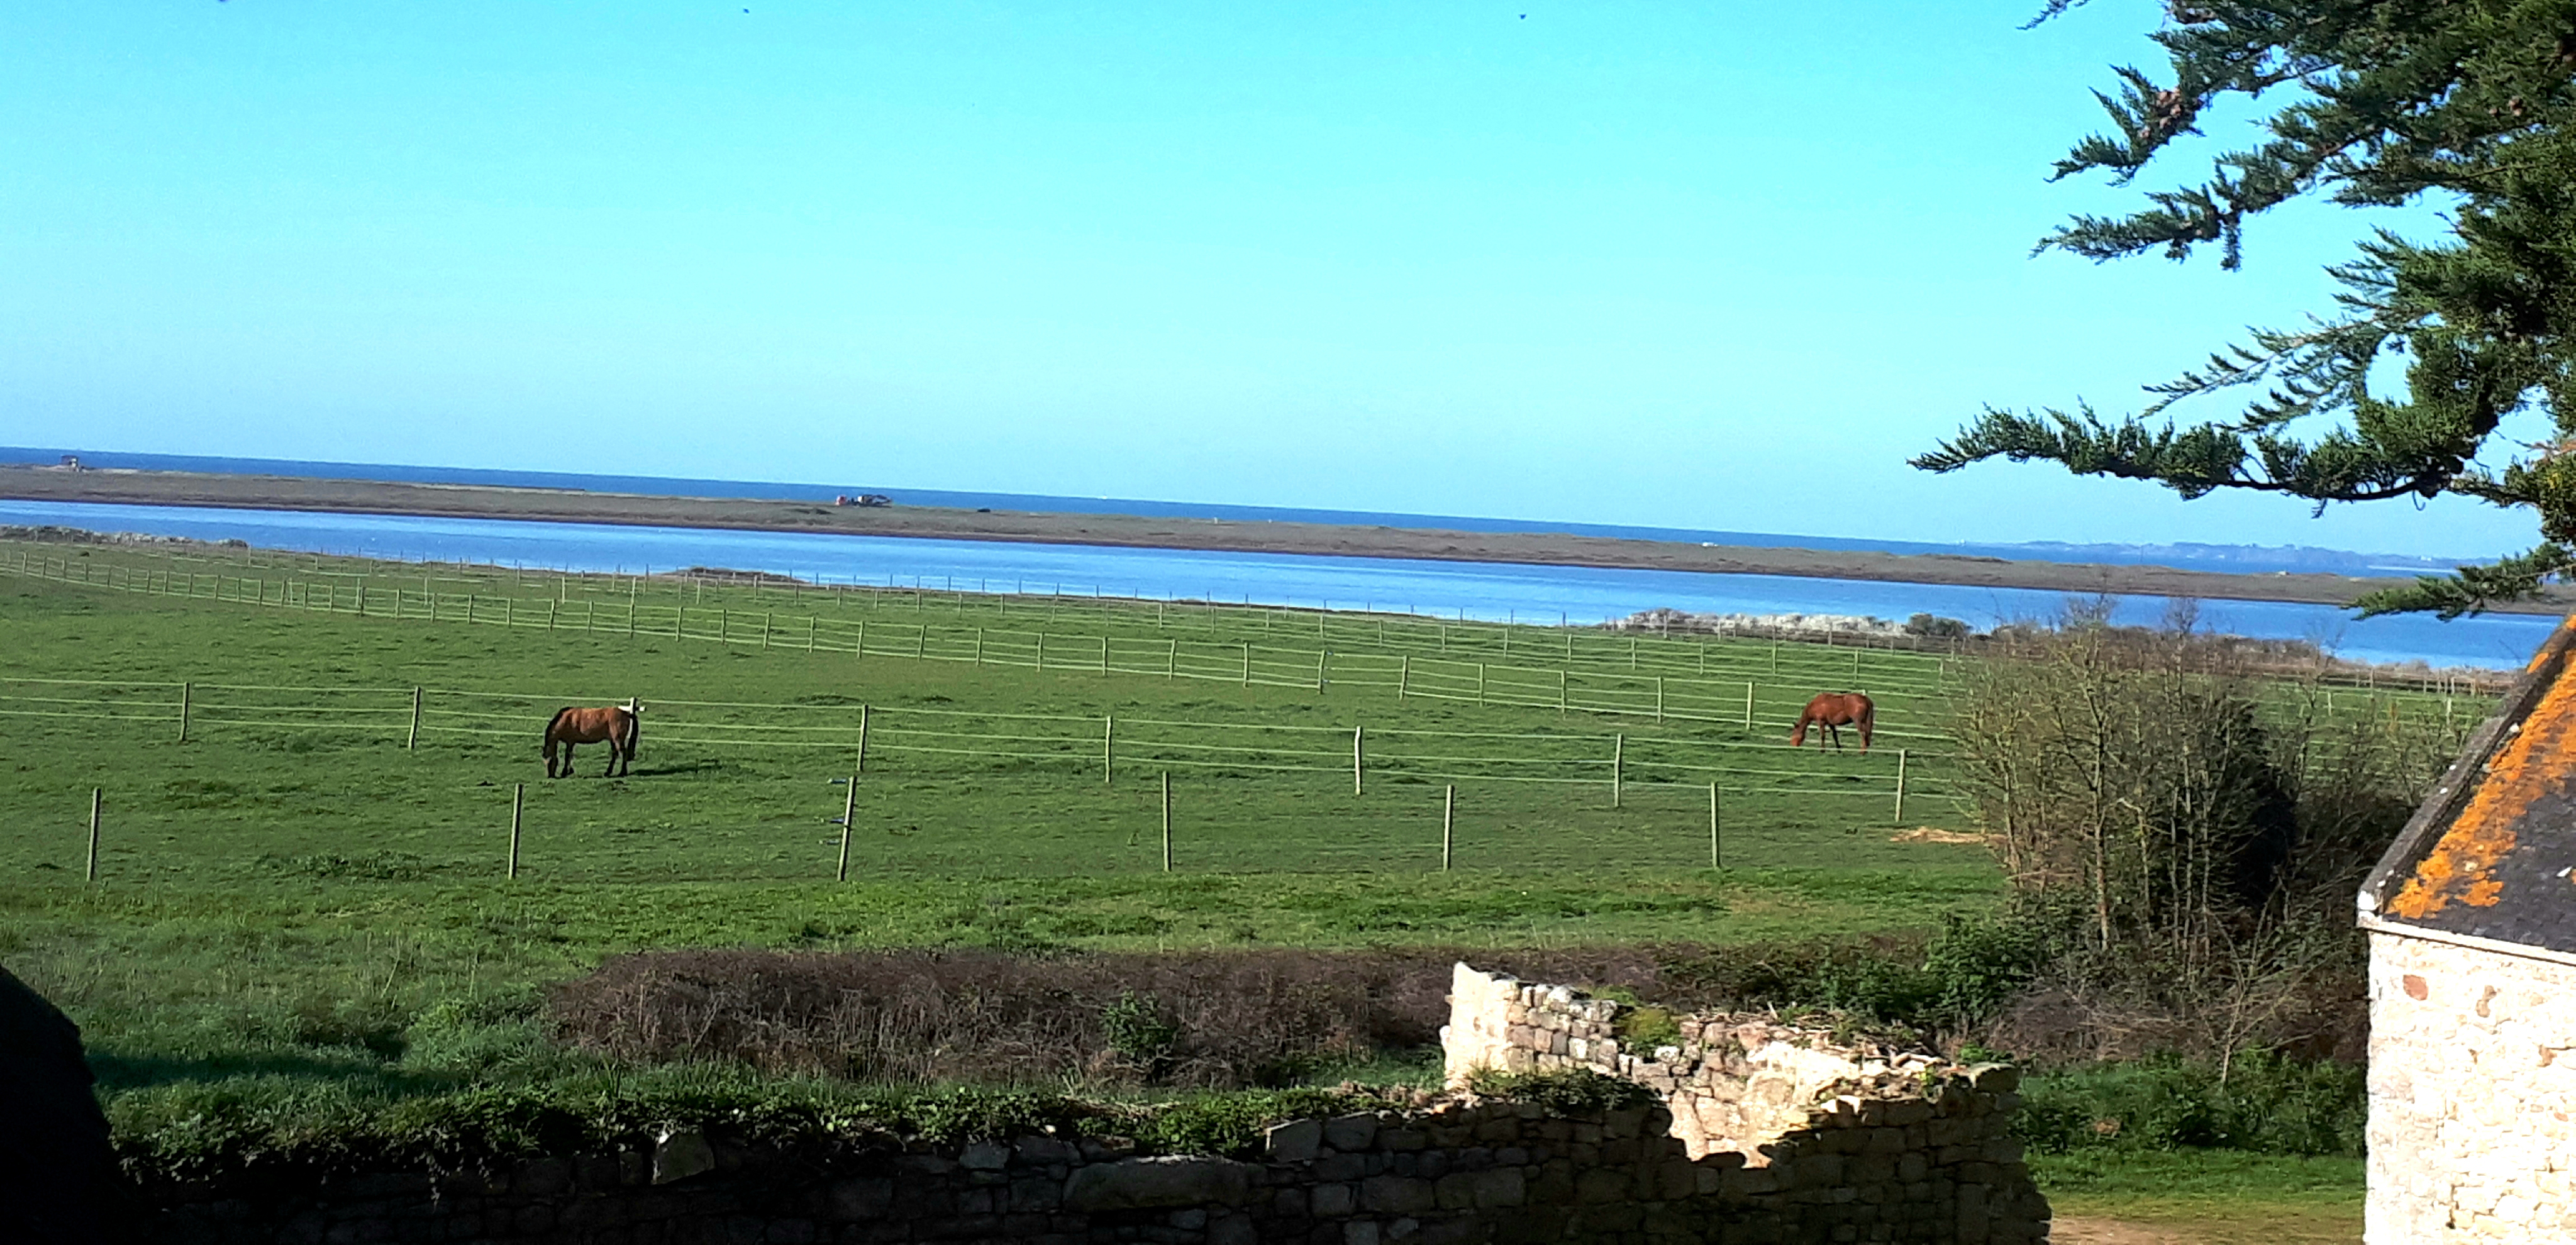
x,y
294,898
280,893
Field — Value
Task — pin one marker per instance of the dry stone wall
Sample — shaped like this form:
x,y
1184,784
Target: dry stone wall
x,y
2472,1073
1828,1148
1750,1090
1460,1171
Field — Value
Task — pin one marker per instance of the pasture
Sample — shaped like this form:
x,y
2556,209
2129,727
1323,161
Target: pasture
x,y
307,896
292,884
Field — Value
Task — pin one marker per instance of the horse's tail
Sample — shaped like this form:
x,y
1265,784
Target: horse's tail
x,y
551,724
634,727
1868,721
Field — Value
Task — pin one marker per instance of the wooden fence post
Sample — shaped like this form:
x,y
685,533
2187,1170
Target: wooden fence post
x,y
1167,821
1355,760
1715,861
93,833
764,627
1618,763
1900,787
1247,665
411,742
849,813
1108,746
1748,704
1403,676
1041,650
1560,693
979,646
863,739
185,696
518,800
1448,821
1480,685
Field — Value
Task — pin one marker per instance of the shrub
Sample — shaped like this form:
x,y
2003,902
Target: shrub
x,y
1202,1019
2258,1101
1134,1027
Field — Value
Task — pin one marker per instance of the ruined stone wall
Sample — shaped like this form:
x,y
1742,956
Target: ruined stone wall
x,y
1459,1171
1806,1142
2472,1083
1752,1090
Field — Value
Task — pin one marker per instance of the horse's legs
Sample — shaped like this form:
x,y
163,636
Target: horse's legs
x,y
567,761
1834,732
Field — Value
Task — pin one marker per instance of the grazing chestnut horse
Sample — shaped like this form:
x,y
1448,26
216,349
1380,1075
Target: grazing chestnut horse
x,y
618,726
1833,711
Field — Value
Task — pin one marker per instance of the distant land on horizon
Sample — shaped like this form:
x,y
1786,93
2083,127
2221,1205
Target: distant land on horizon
x,y
2239,559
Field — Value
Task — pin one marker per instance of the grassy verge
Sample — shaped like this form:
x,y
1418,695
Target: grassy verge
x,y
2209,1197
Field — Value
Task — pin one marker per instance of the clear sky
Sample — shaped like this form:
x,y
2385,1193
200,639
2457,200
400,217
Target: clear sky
x,y
1710,265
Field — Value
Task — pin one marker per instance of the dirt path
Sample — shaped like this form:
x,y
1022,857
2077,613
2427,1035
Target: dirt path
x,y
2114,1232
2220,1229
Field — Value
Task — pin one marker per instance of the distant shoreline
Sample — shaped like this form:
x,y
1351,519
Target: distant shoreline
x,y
253,492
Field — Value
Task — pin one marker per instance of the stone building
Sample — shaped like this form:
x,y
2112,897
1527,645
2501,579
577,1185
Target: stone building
x,y
2471,918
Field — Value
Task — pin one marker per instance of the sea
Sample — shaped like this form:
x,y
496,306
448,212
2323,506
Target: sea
x,y
1498,592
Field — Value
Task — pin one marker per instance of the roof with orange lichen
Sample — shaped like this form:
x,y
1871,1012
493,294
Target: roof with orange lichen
x,y
2492,852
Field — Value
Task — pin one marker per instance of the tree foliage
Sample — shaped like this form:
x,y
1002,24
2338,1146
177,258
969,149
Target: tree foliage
x,y
2464,103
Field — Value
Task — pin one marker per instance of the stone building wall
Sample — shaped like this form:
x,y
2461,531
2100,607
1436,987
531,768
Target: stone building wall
x,y
2472,1083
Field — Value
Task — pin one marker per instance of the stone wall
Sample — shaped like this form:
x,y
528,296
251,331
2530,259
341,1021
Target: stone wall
x,y
2472,1080
1811,1143
1461,1170
1751,1090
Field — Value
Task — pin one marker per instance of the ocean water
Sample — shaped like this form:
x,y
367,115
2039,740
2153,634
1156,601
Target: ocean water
x,y
2244,558
1476,590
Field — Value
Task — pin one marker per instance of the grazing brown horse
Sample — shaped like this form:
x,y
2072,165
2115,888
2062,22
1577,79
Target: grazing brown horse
x,y
1833,711
618,726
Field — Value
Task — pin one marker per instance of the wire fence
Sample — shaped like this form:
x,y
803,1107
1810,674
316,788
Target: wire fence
x,y
1702,680
1636,677
846,735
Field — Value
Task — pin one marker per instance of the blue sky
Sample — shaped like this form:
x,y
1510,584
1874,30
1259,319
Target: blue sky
x,y
1718,265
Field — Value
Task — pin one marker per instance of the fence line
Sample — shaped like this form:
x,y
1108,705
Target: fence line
x,y
1090,742
1639,691
1663,696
